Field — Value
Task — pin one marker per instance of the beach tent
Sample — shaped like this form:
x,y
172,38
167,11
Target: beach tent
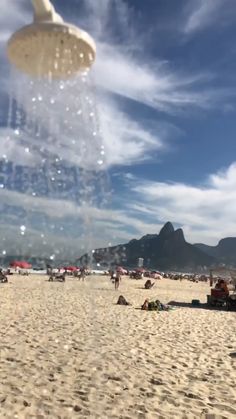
x,y
21,264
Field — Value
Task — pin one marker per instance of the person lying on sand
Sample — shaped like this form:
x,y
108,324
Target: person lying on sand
x,y
154,306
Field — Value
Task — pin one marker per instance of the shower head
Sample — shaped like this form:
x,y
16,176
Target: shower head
x,y
49,47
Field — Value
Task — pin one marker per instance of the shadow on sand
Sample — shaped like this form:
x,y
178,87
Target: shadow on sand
x,y
204,306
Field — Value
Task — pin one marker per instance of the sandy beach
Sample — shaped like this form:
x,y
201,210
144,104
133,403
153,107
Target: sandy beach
x,y
68,351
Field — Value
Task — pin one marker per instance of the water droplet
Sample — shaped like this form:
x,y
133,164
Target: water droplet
x,y
62,85
22,228
100,162
52,257
1,186
33,99
94,133
4,252
27,150
17,131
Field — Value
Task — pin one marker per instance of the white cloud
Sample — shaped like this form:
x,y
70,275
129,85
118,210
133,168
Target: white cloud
x,y
119,70
125,139
153,84
13,15
92,227
205,13
206,213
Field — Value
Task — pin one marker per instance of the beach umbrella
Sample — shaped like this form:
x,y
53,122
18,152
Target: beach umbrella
x,y
20,264
71,268
120,270
140,270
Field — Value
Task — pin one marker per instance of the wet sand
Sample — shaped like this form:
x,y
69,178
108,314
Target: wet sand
x,y
68,351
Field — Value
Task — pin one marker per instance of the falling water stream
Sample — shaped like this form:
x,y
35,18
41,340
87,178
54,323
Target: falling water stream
x,y
56,159
53,180
53,187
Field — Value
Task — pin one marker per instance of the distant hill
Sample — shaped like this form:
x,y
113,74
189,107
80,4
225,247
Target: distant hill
x,y
166,250
224,252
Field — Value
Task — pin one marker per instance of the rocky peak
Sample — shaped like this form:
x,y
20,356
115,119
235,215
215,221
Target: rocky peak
x,y
179,235
166,230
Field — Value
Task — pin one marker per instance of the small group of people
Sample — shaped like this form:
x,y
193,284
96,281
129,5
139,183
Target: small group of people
x,y
154,305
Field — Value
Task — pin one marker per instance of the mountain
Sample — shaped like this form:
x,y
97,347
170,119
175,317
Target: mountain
x,y
224,252
166,250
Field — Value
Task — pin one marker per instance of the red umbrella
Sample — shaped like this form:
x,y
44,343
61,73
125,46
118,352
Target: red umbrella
x,y
20,264
71,268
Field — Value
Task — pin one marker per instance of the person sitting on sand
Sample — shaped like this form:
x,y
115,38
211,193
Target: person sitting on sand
x,y
148,284
145,305
222,285
122,301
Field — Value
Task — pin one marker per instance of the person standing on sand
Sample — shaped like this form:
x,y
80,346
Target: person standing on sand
x,y
117,280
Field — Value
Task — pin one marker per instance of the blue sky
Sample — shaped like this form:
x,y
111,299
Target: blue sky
x,y
166,89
